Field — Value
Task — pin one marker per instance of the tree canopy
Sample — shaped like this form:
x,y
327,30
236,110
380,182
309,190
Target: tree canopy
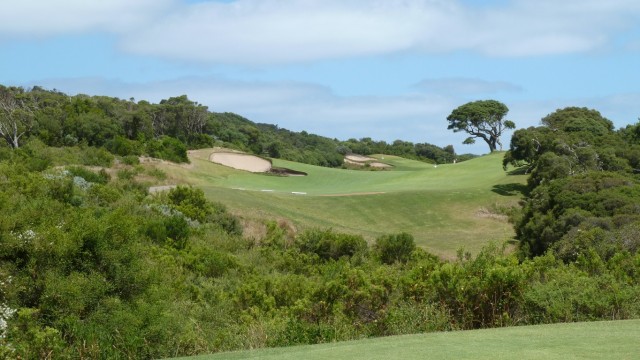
x,y
583,188
481,119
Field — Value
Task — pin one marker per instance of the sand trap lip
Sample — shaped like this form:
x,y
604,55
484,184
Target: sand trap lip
x,y
240,161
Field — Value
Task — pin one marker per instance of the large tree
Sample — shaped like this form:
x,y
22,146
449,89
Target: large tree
x,y
481,119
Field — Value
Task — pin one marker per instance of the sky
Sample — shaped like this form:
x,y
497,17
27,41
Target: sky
x,y
384,69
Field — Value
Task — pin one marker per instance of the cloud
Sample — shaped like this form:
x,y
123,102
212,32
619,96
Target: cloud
x,y
271,31
254,32
45,18
263,32
465,86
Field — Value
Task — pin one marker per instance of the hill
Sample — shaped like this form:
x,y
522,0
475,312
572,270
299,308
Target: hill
x,y
445,207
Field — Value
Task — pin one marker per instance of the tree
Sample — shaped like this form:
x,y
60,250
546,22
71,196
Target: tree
x,y
481,119
16,117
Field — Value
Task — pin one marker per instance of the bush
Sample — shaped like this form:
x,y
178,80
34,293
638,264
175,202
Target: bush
x,y
101,177
123,146
168,148
394,248
331,245
92,156
131,160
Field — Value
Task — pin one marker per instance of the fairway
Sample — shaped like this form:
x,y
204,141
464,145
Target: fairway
x,y
596,340
445,207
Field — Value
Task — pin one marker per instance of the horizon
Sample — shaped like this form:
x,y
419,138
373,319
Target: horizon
x,y
386,70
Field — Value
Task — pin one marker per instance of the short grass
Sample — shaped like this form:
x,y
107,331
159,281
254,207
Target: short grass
x,y
443,207
596,340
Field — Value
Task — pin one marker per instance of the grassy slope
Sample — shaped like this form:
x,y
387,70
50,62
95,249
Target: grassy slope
x,y
439,206
596,340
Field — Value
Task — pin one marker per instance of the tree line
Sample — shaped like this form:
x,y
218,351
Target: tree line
x,y
168,129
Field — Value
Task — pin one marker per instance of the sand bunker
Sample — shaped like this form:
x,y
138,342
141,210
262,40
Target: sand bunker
x,y
360,160
241,161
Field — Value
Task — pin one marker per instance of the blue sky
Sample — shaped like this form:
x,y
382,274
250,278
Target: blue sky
x,y
386,69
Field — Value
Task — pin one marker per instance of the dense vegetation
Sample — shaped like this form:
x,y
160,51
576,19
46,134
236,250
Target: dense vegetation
x,y
584,191
92,266
166,130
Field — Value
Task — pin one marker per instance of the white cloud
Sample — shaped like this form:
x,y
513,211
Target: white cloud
x,y
257,32
44,18
271,31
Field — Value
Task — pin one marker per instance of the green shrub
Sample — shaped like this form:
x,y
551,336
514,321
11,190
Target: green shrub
x,y
131,160
328,244
394,248
168,148
102,177
92,156
123,146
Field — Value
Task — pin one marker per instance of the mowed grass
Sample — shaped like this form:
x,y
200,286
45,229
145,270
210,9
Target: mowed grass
x,y
596,340
445,208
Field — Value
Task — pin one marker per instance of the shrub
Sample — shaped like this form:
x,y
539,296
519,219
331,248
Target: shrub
x,y
101,177
168,148
123,146
394,248
92,156
131,160
331,245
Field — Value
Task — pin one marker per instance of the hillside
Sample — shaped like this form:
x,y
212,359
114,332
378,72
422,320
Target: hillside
x,y
445,207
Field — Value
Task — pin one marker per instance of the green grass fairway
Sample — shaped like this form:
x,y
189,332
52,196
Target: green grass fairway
x,y
442,207
597,340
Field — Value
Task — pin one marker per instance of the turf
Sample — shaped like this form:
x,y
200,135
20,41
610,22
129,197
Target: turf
x,y
443,207
595,340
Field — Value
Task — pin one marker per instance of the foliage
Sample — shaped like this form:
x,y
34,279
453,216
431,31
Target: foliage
x,y
327,244
583,190
395,248
95,267
168,148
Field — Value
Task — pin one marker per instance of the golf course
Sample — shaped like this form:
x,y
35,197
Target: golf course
x,y
445,207
596,340
150,231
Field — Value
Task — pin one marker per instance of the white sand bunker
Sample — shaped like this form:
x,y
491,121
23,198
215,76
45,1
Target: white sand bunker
x,y
360,160
241,161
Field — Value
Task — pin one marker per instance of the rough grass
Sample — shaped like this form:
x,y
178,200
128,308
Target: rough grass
x,y
595,340
441,206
